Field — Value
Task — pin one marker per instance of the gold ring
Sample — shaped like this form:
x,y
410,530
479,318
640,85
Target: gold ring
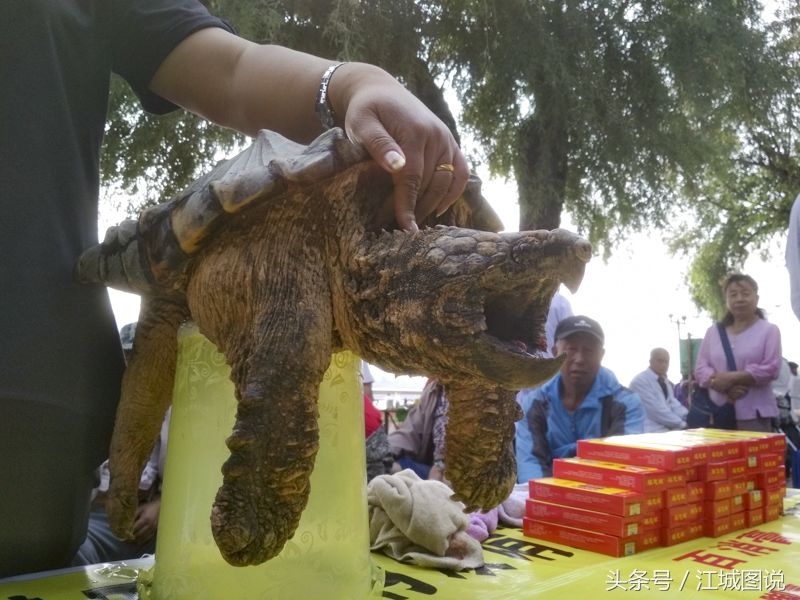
x,y
445,167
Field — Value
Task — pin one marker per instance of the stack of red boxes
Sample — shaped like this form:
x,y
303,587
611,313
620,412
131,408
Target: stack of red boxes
x,y
625,494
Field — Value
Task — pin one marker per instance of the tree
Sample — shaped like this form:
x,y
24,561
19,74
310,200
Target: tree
x,y
629,114
745,199
626,113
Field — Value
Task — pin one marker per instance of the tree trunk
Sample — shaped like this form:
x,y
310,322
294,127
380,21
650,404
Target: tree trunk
x,y
541,172
422,85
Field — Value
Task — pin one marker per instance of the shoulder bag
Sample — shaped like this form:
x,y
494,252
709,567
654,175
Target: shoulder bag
x,y
703,412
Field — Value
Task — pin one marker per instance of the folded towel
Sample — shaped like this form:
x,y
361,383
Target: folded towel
x,y
512,509
414,520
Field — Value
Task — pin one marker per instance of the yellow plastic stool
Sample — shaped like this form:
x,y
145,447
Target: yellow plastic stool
x,y
328,556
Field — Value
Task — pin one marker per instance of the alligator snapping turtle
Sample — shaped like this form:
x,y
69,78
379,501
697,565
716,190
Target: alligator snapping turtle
x,y
280,256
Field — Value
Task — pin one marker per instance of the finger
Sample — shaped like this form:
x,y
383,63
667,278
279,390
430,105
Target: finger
x,y
407,178
404,196
459,182
380,145
441,180
407,185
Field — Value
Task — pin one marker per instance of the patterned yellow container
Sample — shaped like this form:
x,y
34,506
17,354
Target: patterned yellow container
x,y
328,556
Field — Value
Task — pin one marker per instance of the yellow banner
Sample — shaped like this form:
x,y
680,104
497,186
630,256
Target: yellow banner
x,y
760,562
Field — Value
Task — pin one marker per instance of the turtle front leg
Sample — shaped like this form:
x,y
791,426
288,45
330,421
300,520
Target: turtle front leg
x,y
146,393
274,442
278,345
479,444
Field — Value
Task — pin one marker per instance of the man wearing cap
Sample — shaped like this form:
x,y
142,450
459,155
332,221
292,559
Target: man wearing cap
x,y
584,400
662,411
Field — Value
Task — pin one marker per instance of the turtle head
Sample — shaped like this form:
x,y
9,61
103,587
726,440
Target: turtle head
x,y
453,302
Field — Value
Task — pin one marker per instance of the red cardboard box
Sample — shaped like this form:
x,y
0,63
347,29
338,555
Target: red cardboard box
x,y
738,486
746,447
716,509
737,503
676,496
753,499
756,442
696,491
775,496
717,490
585,495
771,462
716,471
772,511
769,480
718,527
737,467
637,451
670,537
627,477
650,521
719,448
583,519
701,450
754,517
649,539
691,474
579,538
739,521
677,516
766,443
653,503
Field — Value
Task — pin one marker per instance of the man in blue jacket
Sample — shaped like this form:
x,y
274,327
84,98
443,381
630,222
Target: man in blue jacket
x,y
584,400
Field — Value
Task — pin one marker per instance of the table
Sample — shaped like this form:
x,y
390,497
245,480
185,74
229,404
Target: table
x,y
750,563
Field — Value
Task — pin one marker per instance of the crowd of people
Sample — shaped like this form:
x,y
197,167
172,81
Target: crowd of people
x,y
59,399
737,383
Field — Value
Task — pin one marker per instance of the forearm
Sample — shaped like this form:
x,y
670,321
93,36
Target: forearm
x,y
724,380
245,86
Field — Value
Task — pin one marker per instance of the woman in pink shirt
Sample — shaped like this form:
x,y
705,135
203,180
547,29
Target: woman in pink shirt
x,y
756,346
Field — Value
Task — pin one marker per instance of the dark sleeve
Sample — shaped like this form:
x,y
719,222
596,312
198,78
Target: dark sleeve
x,y
537,421
144,32
622,414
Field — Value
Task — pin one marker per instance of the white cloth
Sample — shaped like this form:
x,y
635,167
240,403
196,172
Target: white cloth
x,y
414,520
560,309
660,413
153,472
793,256
780,386
366,374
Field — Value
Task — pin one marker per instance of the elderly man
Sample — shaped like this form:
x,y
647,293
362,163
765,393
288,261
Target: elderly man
x,y
662,411
584,400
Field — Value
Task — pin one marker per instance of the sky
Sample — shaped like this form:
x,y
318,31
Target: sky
x,y
639,297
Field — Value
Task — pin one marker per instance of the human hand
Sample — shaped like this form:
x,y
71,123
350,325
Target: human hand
x,y
145,523
404,137
436,473
721,382
736,391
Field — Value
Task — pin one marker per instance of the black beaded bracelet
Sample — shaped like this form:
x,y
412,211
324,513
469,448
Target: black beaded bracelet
x,y
323,106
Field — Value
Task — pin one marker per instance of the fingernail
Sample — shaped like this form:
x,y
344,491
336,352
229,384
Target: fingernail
x,y
395,160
